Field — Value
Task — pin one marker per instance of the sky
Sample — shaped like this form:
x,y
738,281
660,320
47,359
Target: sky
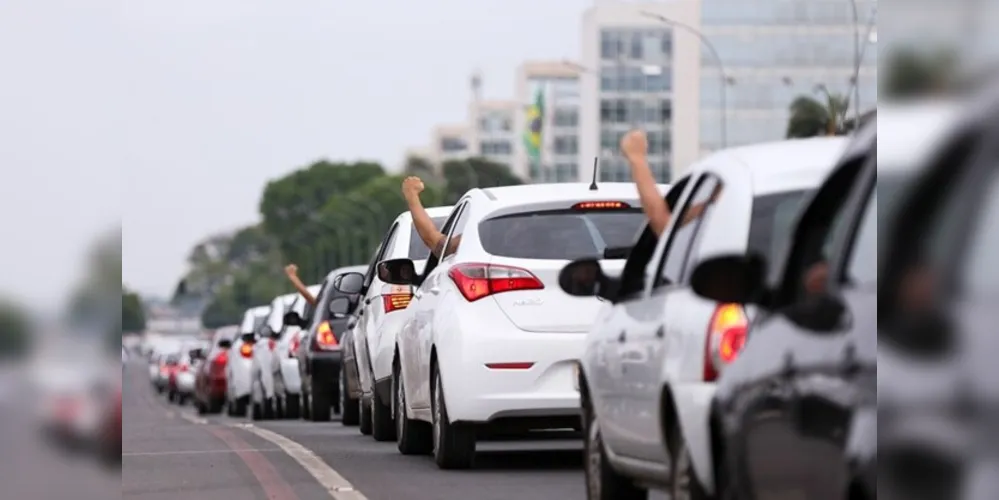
x,y
168,117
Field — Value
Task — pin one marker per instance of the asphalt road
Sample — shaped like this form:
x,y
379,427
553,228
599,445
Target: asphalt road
x,y
169,452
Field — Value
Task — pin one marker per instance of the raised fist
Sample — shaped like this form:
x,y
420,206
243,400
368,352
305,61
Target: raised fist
x,y
291,270
634,145
412,186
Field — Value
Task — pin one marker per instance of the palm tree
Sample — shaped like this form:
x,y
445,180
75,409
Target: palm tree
x,y
811,117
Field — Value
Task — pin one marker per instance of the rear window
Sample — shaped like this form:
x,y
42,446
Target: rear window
x,y
772,222
417,249
560,235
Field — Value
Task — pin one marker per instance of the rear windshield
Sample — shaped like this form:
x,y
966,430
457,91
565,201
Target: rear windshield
x,y
772,222
417,249
560,235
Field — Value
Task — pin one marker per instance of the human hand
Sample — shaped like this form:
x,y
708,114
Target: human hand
x,y
634,145
412,186
291,270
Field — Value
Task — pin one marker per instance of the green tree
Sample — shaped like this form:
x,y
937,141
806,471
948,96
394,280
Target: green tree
x,y
420,167
15,331
811,117
133,314
462,175
911,72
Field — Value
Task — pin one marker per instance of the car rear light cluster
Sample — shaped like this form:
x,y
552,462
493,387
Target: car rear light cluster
x,y
325,338
218,364
182,368
271,344
726,336
476,280
293,345
246,350
601,205
396,301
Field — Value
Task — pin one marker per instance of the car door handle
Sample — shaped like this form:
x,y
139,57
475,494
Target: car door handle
x,y
661,331
622,337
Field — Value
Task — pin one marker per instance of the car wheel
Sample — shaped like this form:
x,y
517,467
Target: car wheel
x,y
182,399
321,404
200,407
413,437
454,444
215,405
684,484
602,481
279,408
349,407
293,406
241,406
256,411
382,424
364,419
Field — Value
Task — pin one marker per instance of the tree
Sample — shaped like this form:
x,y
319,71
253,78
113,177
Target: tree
x,y
811,117
15,331
133,314
420,167
912,72
462,175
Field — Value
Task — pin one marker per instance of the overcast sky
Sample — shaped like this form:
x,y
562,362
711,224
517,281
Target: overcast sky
x,y
170,115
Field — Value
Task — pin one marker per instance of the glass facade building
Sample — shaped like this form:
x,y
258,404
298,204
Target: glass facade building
x,y
560,130
773,51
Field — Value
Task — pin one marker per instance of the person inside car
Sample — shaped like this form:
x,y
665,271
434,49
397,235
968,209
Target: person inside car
x,y
412,186
291,270
635,149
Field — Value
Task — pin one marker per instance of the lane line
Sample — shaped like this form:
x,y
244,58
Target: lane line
x,y
193,419
337,486
274,485
198,452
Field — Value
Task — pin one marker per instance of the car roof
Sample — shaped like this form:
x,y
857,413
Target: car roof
x,y
525,194
781,165
907,133
259,310
288,298
433,212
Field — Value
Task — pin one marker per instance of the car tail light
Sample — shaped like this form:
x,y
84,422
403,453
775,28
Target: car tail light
x,y
271,344
325,339
246,350
396,301
182,368
476,280
601,205
293,345
726,336
222,359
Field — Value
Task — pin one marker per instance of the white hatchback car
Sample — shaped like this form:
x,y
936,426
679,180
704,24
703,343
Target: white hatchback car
x,y
263,400
491,340
381,314
654,353
238,369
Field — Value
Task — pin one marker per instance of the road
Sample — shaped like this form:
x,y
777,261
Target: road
x,y
168,451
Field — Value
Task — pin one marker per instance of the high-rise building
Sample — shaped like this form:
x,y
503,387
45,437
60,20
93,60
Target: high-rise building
x,y
774,51
551,88
639,71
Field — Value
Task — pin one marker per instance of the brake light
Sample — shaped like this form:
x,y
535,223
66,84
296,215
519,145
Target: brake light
x,y
222,358
271,343
293,346
246,350
325,339
476,280
182,368
726,337
396,301
601,205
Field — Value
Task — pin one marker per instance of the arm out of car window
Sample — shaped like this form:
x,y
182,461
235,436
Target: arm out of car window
x,y
292,271
431,236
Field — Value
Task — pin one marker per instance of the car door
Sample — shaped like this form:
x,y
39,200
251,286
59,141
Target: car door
x,y
415,335
365,318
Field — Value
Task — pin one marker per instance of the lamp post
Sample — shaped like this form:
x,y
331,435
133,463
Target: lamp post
x,y
718,60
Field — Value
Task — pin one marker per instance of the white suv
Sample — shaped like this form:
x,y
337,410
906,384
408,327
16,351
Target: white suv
x,y
381,314
491,340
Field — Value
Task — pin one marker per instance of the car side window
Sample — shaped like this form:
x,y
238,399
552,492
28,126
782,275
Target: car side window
x,y
683,231
456,232
862,264
979,274
390,242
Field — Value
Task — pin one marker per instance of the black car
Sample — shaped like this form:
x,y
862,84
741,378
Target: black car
x,y
320,353
785,408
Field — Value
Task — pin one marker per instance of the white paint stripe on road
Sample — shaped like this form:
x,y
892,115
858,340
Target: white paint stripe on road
x,y
193,419
199,452
337,486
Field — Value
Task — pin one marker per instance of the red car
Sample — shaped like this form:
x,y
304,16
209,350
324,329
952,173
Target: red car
x,y
209,382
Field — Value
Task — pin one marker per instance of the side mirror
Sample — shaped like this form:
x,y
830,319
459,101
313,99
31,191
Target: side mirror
x,y
349,283
397,271
582,278
339,307
225,344
731,278
292,318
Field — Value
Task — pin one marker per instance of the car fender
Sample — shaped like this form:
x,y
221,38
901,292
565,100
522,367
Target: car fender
x,y
692,403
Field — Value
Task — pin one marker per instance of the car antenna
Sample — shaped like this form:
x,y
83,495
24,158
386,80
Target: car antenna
x,y
593,184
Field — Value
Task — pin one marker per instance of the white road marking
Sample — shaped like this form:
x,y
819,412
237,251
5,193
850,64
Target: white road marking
x,y
193,419
337,486
199,452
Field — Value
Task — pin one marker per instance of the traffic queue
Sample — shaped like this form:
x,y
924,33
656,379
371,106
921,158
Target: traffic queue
x,y
714,338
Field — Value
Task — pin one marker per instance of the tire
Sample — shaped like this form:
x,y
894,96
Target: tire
x,y
201,408
364,417
171,396
413,437
453,444
382,423
215,405
182,399
306,405
269,409
683,483
321,405
241,405
279,408
293,406
257,411
602,481
350,411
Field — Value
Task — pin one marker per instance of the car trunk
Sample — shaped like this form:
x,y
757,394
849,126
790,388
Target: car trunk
x,y
550,310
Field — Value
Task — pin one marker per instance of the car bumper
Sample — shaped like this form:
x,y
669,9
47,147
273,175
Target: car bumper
x,y
290,375
239,377
476,392
185,383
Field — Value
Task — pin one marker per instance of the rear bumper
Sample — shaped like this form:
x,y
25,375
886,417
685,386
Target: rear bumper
x,y
290,375
185,382
239,375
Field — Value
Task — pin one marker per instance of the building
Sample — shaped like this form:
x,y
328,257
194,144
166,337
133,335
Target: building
x,y
450,142
640,71
556,84
773,52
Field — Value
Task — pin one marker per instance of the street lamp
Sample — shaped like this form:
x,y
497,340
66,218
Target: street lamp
x,y
718,60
